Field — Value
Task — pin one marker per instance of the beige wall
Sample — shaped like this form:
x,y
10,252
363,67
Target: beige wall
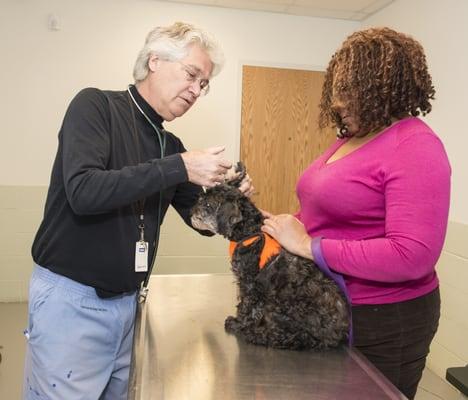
x,y
20,214
96,45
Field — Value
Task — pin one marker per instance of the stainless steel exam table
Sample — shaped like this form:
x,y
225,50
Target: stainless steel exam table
x,y
181,351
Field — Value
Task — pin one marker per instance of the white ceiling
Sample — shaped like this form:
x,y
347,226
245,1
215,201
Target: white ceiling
x,y
356,10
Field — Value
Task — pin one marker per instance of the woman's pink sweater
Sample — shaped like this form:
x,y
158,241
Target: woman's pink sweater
x,y
379,214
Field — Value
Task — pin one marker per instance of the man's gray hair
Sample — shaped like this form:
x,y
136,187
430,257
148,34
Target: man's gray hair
x,y
171,43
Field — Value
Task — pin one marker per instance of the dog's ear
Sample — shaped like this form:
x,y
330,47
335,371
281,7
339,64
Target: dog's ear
x,y
228,216
239,174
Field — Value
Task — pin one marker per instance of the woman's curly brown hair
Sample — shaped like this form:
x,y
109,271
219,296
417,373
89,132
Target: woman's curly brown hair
x,y
382,75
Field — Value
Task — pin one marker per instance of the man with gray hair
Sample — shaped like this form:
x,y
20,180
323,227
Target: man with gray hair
x,y
115,174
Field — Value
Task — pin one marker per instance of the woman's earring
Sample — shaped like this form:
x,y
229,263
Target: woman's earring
x,y
342,132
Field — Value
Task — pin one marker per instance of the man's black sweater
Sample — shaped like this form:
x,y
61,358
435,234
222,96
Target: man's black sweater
x,y
103,168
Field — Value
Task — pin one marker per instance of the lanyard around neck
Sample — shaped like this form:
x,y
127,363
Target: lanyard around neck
x,y
143,292
161,136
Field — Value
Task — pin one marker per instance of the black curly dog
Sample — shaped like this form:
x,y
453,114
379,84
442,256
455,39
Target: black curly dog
x,y
288,304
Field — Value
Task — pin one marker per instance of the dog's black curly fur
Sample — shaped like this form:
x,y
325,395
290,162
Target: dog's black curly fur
x,y
288,304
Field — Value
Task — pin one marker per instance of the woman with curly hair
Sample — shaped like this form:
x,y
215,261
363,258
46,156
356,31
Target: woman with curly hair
x,y
374,206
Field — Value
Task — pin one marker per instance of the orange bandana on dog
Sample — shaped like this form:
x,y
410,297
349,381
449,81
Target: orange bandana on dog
x,y
270,249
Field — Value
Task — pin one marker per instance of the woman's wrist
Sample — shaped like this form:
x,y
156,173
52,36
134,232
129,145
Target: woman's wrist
x,y
306,247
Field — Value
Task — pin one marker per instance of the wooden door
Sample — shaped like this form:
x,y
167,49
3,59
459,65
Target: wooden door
x,y
279,132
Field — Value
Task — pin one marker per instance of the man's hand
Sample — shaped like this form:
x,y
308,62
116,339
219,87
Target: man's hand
x,y
206,167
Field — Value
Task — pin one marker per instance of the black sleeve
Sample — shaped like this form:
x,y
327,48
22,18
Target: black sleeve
x,y
91,187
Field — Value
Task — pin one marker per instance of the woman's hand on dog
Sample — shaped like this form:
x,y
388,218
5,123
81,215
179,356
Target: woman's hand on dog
x,y
289,232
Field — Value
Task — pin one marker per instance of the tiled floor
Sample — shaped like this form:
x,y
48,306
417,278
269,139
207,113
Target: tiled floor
x,y
12,344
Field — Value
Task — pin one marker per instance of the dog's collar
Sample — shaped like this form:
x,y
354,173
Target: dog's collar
x,y
270,248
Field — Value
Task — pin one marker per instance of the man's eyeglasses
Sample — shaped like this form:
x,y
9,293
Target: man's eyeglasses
x,y
193,76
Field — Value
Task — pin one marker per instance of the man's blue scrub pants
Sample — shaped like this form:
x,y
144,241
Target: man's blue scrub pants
x,y
79,345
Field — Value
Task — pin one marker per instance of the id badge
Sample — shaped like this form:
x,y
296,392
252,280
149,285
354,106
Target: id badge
x,y
141,256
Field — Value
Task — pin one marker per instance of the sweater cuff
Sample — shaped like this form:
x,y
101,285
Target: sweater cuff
x,y
323,266
172,169
316,249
